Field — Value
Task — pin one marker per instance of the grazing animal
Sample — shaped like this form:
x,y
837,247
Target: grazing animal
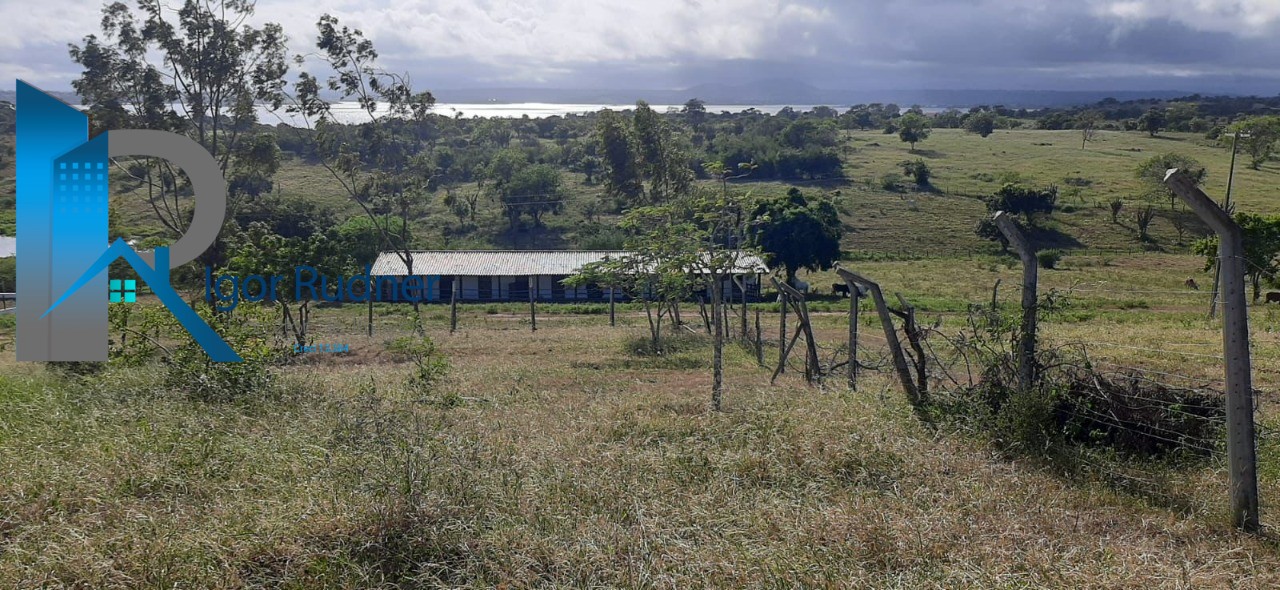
x,y
1191,284
1273,296
840,289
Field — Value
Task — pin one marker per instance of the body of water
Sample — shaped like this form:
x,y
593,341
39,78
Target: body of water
x,y
352,113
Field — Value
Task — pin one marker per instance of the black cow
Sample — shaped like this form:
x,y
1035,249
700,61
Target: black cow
x,y
1273,297
840,289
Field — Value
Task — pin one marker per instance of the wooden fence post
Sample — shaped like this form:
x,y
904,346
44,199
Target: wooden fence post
x,y
612,317
453,306
759,341
1030,278
890,336
782,333
1242,457
855,294
533,312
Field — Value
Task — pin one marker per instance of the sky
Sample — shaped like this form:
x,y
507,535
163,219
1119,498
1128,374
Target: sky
x,y
1208,46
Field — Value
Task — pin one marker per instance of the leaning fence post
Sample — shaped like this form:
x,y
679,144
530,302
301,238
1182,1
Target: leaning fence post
x,y
1030,278
1242,457
890,336
612,317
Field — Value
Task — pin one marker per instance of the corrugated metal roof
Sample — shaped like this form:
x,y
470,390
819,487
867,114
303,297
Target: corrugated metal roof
x,y
8,246
495,263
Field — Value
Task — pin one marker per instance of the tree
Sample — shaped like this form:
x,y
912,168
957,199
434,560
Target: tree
x,y
1261,247
1152,121
533,190
370,164
918,170
622,181
913,128
1017,199
695,113
662,163
1152,170
1258,136
1088,122
982,122
798,232
197,69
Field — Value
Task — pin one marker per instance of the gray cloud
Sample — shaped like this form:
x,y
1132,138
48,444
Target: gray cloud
x,y
1196,45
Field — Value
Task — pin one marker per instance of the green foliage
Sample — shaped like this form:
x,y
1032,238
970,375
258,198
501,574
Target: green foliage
x,y
361,239
913,128
9,274
1152,121
1152,171
533,191
918,170
1021,200
429,363
1258,138
988,230
250,331
983,123
891,181
1261,247
1049,258
798,232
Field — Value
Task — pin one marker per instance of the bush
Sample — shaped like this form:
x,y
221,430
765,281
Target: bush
x,y
429,363
188,368
891,182
1049,258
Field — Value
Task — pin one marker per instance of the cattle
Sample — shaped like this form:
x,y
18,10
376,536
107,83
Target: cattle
x,y
1191,284
840,289
1273,296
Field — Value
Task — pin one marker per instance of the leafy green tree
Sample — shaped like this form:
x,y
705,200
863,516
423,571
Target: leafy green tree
x,y
372,165
695,113
982,122
913,128
1258,136
198,69
662,163
1152,170
622,181
1017,199
1261,247
1152,121
918,170
798,232
533,191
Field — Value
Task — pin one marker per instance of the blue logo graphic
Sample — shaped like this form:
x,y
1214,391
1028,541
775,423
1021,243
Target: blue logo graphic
x,y
62,231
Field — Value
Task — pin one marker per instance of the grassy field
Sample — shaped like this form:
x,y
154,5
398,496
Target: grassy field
x,y
562,458
880,223
566,458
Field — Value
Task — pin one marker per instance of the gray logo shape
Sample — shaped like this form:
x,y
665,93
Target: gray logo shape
x,y
207,183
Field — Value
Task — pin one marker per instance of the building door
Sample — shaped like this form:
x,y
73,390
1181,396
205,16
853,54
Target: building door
x,y
485,288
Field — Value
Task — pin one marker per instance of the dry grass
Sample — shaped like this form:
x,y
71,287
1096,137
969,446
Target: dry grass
x,y
557,459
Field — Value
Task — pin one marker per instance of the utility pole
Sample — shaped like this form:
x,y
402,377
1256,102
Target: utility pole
x,y
1242,460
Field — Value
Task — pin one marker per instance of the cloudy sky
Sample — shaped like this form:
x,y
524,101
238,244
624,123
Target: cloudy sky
x,y
1193,45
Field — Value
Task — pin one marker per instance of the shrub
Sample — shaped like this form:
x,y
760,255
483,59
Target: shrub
x,y
1049,258
891,182
429,364
188,368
